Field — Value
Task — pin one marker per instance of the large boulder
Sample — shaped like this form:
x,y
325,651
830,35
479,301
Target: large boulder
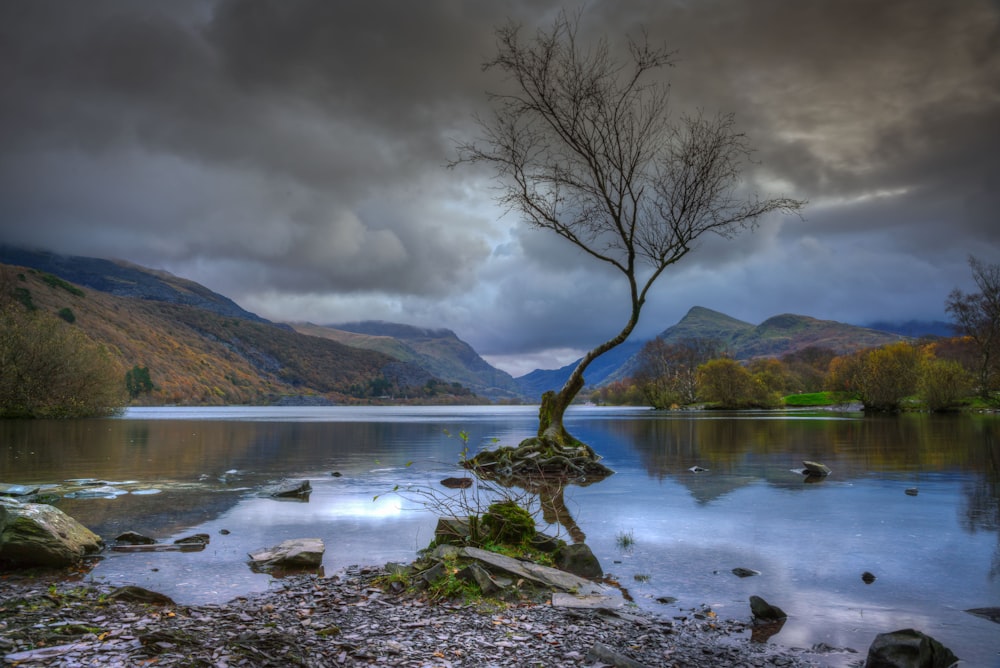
x,y
39,535
908,648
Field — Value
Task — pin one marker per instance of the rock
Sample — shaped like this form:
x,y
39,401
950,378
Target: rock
x,y
457,483
867,577
745,572
294,554
479,575
290,489
39,535
601,653
697,469
992,614
546,543
17,490
764,612
578,559
140,595
816,469
195,539
452,531
908,648
541,575
160,547
134,538
911,491
586,601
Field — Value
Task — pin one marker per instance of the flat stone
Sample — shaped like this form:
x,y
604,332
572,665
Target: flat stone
x,y
17,490
609,601
542,575
297,553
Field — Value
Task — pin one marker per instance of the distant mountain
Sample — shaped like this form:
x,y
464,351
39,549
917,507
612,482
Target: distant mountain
x,y
439,351
124,279
539,381
915,328
776,336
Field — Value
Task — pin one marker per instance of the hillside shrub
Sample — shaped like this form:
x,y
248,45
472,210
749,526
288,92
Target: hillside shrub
x,y
51,370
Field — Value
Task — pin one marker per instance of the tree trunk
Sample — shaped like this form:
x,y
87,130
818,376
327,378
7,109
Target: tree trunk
x,y
554,405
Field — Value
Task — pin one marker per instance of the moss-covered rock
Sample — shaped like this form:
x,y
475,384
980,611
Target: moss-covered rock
x,y
38,535
505,522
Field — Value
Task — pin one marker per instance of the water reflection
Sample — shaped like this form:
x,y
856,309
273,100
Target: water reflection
x,y
933,555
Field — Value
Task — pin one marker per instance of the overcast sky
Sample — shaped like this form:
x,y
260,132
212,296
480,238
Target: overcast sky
x,y
291,155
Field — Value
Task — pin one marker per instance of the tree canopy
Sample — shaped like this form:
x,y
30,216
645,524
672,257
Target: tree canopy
x,y
587,147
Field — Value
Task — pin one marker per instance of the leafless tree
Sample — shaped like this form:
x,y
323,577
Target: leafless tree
x,y
585,146
977,315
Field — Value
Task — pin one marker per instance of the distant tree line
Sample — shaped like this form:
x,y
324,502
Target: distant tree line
x,y
935,374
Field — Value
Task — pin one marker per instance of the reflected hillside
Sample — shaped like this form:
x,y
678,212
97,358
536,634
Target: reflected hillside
x,y
742,449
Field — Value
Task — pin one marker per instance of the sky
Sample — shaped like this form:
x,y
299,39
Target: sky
x,y
294,155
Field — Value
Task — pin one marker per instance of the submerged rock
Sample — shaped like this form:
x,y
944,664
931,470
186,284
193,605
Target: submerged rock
x,y
134,538
290,489
745,572
39,535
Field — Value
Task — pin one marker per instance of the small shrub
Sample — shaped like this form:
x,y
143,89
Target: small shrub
x,y
66,314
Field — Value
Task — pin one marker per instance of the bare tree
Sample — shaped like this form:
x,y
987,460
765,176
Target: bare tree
x,y
585,146
977,315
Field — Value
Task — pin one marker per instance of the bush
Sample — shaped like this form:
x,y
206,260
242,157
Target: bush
x,y
67,314
48,369
944,384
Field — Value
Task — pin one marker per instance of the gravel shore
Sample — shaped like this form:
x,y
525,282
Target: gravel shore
x,y
349,620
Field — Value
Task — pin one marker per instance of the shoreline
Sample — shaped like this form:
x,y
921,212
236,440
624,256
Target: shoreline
x,y
348,620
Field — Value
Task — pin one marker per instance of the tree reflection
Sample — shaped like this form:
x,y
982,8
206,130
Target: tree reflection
x,y
550,491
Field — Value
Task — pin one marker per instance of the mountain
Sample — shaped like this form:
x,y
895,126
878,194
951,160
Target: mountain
x,y
124,279
202,349
915,328
539,381
439,351
776,336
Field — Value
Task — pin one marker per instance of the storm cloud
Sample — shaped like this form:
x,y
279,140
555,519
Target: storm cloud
x,y
293,156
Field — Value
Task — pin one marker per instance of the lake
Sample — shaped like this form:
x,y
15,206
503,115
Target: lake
x,y
934,553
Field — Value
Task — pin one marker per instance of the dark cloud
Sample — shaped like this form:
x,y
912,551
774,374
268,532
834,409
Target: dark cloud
x,y
292,155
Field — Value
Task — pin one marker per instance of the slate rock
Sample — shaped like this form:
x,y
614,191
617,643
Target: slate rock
x,y
134,538
294,554
908,648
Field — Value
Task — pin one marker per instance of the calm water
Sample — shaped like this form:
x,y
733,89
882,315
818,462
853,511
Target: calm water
x,y
934,554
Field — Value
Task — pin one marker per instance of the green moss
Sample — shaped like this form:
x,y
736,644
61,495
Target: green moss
x,y
508,523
